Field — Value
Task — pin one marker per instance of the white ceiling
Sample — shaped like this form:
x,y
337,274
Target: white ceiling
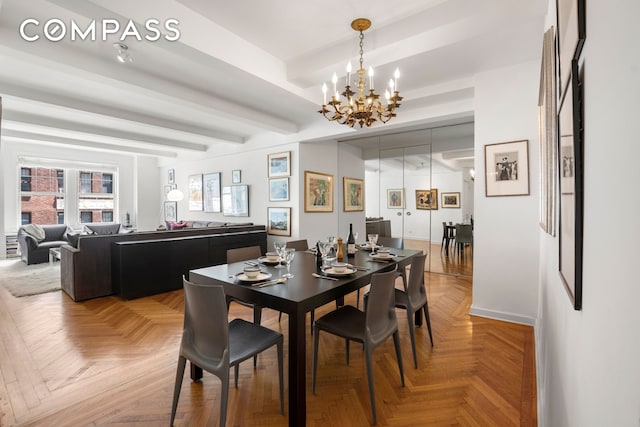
x,y
245,67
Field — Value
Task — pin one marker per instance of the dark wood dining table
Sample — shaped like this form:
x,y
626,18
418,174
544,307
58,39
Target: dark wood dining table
x,y
296,297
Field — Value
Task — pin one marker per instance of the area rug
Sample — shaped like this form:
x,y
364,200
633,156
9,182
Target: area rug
x,y
22,280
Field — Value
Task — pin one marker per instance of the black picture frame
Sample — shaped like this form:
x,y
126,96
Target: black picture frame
x,y
571,184
572,32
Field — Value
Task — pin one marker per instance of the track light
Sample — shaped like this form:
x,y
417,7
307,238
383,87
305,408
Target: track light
x,y
123,53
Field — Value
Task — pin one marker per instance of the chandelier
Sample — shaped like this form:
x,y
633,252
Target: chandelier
x,y
363,107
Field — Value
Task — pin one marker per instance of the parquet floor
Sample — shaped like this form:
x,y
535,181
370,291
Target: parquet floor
x,y
112,362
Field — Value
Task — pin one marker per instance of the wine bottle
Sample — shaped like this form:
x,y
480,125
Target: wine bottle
x,y
318,257
340,254
351,242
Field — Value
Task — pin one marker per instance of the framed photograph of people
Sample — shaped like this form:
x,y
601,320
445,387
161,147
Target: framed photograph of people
x,y
171,211
278,189
450,200
427,199
212,196
318,192
507,168
279,221
395,198
195,192
235,200
279,164
353,192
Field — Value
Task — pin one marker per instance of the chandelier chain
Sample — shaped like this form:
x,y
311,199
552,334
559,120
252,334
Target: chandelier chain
x,y
361,48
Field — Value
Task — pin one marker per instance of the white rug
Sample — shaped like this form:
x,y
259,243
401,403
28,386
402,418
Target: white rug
x,y
22,280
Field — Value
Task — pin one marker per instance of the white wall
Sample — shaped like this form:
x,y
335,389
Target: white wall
x,y
350,164
506,232
588,361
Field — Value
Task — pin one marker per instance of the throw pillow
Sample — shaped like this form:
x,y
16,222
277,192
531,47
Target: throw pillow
x,y
34,230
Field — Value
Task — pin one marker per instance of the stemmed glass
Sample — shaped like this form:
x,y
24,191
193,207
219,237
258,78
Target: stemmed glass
x,y
373,239
288,255
279,247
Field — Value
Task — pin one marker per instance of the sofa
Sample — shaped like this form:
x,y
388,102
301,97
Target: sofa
x,y
36,240
144,263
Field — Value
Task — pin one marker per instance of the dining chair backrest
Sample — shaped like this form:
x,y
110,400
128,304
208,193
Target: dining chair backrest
x,y
243,254
298,245
464,233
416,291
391,242
380,313
205,338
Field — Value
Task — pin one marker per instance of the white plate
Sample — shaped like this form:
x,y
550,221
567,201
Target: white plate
x,y
265,261
261,276
367,246
330,272
382,256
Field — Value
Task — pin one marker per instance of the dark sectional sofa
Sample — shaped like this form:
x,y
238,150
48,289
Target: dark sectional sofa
x,y
145,263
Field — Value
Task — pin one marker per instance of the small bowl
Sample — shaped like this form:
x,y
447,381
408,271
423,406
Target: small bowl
x,y
251,271
384,253
340,267
272,256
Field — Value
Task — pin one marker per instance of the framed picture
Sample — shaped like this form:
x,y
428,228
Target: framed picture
x,y
195,192
353,192
279,221
171,176
235,200
570,166
427,199
318,192
450,200
212,196
236,176
572,33
279,164
507,168
547,131
278,189
171,211
167,188
395,198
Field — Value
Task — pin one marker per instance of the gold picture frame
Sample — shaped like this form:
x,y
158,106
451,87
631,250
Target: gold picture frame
x,y
318,192
427,199
353,194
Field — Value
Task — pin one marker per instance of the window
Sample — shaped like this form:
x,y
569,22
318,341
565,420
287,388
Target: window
x,y
25,179
107,216
85,182
86,216
107,183
96,196
25,218
40,194
60,217
60,175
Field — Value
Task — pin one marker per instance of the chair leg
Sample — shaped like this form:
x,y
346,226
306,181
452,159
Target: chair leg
x,y
279,317
257,318
396,343
224,397
358,298
372,394
412,335
425,308
281,374
313,319
346,348
236,373
316,336
178,385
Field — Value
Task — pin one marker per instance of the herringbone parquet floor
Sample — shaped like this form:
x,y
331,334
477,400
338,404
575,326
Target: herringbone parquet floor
x,y
112,362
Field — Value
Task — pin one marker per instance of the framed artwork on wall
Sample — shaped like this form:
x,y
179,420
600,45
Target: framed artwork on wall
x,y
171,211
450,200
507,168
572,32
167,188
279,164
212,196
395,198
235,200
236,176
318,192
570,166
427,199
279,221
353,194
278,189
171,176
195,192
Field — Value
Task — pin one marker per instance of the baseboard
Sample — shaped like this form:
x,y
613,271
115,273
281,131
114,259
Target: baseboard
x,y
501,315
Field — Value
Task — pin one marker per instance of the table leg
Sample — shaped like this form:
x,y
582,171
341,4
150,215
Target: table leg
x,y
297,370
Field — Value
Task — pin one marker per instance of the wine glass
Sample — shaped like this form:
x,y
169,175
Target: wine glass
x,y
288,255
279,247
373,239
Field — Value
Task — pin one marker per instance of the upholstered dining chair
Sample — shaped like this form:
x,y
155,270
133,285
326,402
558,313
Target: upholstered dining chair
x,y
298,245
372,327
214,344
464,236
413,299
389,242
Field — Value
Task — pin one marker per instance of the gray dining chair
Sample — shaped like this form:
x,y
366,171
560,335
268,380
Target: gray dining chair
x,y
371,328
413,299
298,245
214,344
464,236
389,242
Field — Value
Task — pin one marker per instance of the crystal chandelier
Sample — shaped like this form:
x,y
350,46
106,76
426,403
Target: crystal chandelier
x,y
363,107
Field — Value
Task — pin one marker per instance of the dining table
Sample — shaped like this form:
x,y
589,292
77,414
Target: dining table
x,y
297,296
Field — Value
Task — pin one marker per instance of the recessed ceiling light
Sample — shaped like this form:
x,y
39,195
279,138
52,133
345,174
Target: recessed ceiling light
x,y
123,53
